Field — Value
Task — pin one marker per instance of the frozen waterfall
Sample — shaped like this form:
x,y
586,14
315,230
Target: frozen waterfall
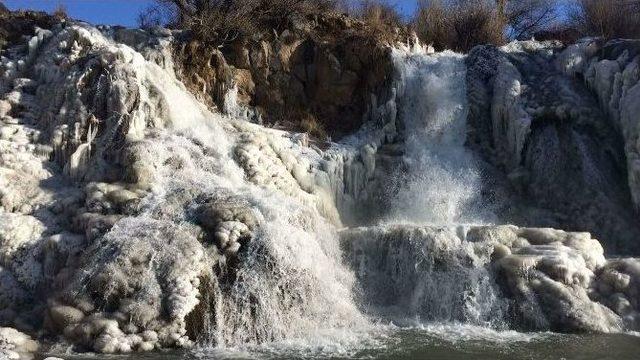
x,y
282,274
279,274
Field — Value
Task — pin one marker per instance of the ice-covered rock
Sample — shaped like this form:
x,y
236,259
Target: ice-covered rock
x,y
612,72
19,238
528,278
549,274
16,345
553,157
618,286
145,275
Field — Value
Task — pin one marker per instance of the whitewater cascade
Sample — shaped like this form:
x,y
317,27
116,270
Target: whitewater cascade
x,y
224,234
287,280
435,264
133,217
440,184
425,271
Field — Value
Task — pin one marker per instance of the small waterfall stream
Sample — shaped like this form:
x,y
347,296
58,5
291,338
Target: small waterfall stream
x,y
441,184
416,265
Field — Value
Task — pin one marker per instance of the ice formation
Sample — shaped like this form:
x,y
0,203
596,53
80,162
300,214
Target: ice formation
x,y
133,217
16,345
562,157
612,72
153,204
497,276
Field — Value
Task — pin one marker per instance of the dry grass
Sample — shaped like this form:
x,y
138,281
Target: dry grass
x,y
223,21
382,19
219,22
310,125
458,26
609,19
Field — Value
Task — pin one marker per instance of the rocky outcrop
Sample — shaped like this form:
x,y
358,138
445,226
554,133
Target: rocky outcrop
x,y
317,77
560,153
14,26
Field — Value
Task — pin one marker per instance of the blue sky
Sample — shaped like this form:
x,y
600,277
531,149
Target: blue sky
x,y
124,12
111,12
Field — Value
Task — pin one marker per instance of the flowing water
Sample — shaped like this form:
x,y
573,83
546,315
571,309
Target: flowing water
x,y
391,294
441,183
432,342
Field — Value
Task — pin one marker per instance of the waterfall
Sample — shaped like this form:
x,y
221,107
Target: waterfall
x,y
228,242
441,182
417,265
183,225
287,281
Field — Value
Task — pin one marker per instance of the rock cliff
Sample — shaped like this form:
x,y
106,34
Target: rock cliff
x,y
316,76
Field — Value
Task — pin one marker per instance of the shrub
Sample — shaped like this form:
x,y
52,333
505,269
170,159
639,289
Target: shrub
x,y
60,12
221,21
312,126
381,17
566,33
525,18
458,26
150,17
609,19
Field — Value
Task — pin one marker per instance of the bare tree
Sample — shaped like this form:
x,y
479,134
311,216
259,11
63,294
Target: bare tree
x,y
524,18
60,12
150,17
